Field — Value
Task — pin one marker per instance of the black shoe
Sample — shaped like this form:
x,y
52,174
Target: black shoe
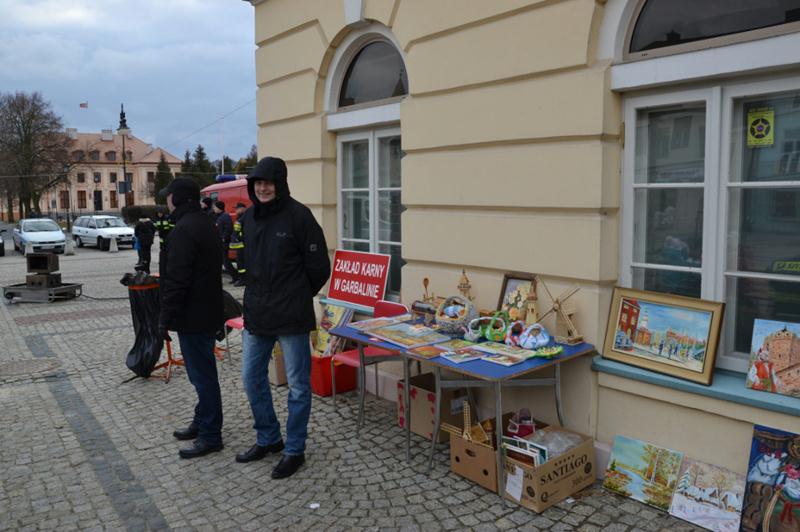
x,y
189,433
288,465
257,452
199,448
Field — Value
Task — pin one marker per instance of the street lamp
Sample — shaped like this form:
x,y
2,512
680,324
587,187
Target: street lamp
x,y
124,131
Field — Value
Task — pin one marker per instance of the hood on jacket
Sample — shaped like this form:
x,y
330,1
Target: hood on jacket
x,y
269,169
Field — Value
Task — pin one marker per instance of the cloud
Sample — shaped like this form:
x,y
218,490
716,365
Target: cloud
x,y
177,65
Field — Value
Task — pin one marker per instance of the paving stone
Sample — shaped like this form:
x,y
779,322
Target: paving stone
x,y
85,448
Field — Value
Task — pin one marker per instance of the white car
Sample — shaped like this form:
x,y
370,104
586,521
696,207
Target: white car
x,y
43,234
98,230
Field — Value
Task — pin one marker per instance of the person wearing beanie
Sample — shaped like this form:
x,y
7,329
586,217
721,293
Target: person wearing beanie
x,y
225,230
287,264
192,306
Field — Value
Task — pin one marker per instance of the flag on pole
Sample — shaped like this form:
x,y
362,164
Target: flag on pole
x,y
84,105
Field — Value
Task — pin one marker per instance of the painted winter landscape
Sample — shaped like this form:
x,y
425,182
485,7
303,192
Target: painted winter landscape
x,y
708,496
643,472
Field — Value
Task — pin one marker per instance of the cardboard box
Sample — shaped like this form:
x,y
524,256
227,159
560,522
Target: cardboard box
x,y
277,369
539,488
474,461
422,395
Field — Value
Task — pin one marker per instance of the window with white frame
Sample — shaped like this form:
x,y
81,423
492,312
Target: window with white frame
x,y
711,201
369,196
363,94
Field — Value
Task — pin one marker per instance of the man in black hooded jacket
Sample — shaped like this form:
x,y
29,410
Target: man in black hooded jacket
x,y
191,305
287,264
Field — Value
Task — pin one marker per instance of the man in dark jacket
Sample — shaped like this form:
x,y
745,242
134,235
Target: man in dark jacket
x,y
225,229
237,243
145,232
191,305
287,264
207,204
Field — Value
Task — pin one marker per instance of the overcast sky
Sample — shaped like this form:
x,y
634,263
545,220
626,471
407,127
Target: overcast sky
x,y
177,65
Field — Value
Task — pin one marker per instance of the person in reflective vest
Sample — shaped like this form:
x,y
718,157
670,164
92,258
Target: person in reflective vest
x,y
163,226
237,243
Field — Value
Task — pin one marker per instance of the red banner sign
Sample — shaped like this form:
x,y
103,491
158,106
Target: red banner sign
x,y
358,278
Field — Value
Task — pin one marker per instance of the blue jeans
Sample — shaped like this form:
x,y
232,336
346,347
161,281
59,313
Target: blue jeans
x,y
255,364
201,367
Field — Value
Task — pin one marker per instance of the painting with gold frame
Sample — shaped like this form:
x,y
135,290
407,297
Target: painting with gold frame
x,y
670,334
514,294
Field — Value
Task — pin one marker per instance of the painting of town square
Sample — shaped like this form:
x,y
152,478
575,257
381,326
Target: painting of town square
x,y
775,358
671,334
708,496
643,472
772,493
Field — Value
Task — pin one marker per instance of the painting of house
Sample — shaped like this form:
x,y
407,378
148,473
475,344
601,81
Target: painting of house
x,y
708,496
643,472
772,492
670,335
775,357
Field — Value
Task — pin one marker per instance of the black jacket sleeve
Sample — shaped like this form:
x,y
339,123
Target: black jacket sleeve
x,y
315,254
225,226
176,281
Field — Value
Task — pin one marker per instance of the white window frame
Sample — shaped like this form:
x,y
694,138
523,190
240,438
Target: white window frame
x,y
372,136
719,103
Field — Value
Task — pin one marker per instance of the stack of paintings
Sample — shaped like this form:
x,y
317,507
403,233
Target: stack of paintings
x,y
772,493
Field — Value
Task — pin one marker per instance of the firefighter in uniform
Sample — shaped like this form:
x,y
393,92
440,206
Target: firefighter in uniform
x,y
163,226
237,243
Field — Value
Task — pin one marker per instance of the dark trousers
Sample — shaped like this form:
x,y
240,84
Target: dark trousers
x,y
144,256
226,262
201,367
240,267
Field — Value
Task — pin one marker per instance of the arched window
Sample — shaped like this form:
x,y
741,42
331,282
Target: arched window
x,y
689,24
368,68
376,73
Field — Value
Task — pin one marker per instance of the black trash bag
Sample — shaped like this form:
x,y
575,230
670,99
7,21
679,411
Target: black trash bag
x,y
144,297
231,309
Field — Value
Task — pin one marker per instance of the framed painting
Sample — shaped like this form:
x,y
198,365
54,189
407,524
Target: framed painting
x,y
514,294
660,332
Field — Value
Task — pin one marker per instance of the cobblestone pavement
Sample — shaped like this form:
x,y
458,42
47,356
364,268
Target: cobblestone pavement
x,y
84,448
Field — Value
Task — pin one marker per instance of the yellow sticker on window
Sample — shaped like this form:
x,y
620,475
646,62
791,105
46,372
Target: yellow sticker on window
x,y
760,127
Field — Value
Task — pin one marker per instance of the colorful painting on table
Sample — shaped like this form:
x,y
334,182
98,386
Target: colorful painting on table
x,y
671,335
332,316
775,358
708,496
643,472
772,494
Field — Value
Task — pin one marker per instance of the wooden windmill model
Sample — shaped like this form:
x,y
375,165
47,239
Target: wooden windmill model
x,y
566,332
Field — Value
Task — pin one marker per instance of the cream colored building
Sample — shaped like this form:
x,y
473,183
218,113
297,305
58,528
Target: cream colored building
x,y
97,170
590,142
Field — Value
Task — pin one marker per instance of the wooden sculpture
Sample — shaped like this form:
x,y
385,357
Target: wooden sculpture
x,y
565,330
464,286
531,313
474,433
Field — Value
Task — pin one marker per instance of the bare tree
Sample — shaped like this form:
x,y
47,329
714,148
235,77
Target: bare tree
x,y
33,147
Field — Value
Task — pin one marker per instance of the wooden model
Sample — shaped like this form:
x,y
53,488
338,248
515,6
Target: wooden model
x,y
531,314
464,286
474,433
565,330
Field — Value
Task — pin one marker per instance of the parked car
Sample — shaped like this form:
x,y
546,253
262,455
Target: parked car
x,y
43,234
2,243
98,230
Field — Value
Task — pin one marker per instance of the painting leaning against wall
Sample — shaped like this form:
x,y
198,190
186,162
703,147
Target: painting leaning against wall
x,y
775,358
665,333
643,472
708,496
